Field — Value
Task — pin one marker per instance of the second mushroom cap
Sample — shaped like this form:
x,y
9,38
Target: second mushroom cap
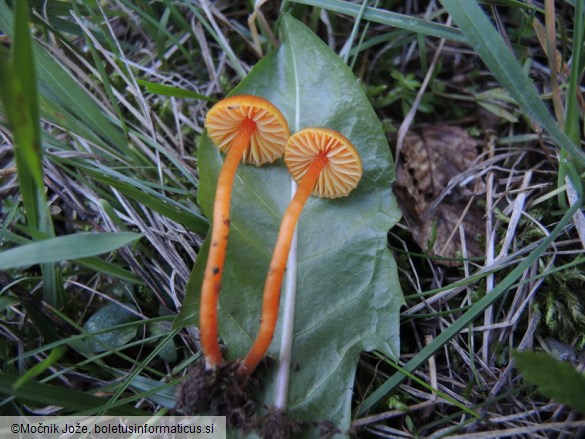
x,y
343,169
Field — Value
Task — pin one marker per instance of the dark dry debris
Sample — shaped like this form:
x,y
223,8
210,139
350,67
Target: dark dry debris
x,y
216,392
276,424
224,392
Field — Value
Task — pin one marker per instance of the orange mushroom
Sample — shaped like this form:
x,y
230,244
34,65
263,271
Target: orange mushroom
x,y
247,128
325,164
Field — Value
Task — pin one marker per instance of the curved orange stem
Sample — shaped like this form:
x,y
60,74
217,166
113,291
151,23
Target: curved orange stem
x,y
271,298
219,239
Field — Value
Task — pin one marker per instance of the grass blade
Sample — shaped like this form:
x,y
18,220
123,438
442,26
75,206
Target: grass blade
x,y
148,197
489,45
39,368
572,108
393,19
39,393
109,269
476,310
18,94
89,40
59,86
168,90
20,97
80,245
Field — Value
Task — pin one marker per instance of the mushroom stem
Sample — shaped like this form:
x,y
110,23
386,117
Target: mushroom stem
x,y
219,239
272,287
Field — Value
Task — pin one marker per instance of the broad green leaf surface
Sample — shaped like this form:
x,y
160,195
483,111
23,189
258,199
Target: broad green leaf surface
x,y
107,317
168,351
348,296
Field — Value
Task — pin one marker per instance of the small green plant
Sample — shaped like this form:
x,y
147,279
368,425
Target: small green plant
x,y
403,91
562,303
553,378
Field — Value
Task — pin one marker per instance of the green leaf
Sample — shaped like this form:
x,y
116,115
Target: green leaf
x,y
348,296
555,379
168,350
80,245
107,317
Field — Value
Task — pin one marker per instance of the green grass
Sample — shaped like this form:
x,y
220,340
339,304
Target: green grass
x,y
102,115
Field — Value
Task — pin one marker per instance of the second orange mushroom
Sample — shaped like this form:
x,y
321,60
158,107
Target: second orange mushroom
x,y
325,164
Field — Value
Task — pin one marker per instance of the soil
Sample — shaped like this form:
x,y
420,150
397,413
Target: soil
x,y
276,424
217,392
224,392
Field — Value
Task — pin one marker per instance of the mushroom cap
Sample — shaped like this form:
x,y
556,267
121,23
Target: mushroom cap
x,y
343,170
269,139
